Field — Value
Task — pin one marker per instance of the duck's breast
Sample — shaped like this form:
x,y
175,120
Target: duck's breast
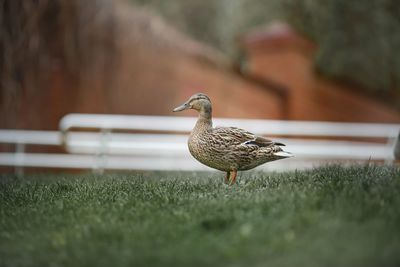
x,y
209,153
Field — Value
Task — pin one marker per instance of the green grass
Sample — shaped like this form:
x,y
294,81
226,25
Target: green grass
x,y
330,216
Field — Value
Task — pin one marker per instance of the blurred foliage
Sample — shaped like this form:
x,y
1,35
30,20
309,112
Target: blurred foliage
x,y
37,36
358,40
41,39
218,23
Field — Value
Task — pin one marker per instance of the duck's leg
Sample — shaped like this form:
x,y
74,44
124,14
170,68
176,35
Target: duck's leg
x,y
228,175
233,177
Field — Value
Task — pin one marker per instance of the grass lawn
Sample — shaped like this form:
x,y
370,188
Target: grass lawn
x,y
329,216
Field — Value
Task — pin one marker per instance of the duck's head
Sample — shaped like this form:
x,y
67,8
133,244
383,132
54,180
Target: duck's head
x,y
199,102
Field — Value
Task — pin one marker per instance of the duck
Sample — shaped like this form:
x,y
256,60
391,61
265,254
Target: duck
x,y
228,149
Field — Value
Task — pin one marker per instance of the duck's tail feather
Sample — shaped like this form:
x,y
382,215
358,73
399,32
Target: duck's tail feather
x,y
279,144
283,154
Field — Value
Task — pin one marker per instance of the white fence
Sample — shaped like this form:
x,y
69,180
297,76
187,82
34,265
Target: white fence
x,y
159,142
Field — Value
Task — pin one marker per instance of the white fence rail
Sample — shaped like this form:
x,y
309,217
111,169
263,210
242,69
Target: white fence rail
x,y
159,143
266,127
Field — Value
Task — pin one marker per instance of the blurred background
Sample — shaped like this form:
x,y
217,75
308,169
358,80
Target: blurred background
x,y
333,60
310,60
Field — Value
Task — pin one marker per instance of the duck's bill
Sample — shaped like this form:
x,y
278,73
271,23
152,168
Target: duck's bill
x,y
184,106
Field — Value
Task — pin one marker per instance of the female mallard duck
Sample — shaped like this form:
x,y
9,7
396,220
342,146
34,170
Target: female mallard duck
x,y
228,149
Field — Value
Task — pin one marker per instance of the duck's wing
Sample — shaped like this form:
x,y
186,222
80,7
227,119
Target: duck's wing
x,y
237,136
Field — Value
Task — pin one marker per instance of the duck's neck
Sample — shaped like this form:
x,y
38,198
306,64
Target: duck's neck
x,y
204,122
